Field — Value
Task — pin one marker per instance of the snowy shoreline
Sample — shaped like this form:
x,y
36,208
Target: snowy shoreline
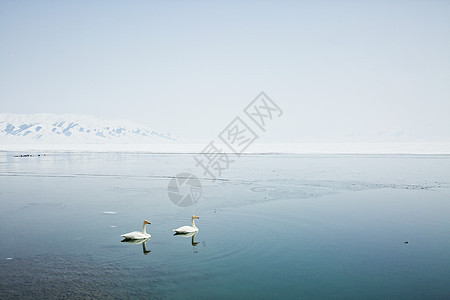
x,y
300,148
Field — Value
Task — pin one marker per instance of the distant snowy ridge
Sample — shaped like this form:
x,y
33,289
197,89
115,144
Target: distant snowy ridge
x,y
75,129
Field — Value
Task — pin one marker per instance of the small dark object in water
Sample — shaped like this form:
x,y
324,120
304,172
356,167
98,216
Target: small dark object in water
x,y
28,155
406,242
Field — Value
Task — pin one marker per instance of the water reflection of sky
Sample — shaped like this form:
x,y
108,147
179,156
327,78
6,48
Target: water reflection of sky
x,y
279,226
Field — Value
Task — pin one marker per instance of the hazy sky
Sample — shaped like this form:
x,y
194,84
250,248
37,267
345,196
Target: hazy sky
x,y
340,70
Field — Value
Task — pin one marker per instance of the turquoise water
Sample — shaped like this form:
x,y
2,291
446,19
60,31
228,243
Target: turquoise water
x,y
276,226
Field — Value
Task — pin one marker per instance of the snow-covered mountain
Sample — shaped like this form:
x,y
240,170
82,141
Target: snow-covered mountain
x,y
75,129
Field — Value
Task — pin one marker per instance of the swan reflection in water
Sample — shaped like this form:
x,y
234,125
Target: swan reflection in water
x,y
137,242
187,235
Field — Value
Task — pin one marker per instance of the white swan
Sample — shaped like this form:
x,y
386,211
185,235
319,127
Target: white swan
x,y
136,235
188,229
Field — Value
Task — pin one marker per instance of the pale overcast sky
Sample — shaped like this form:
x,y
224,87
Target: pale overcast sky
x,y
340,70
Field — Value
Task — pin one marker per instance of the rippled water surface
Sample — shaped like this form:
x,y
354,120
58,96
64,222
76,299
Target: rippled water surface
x,y
274,226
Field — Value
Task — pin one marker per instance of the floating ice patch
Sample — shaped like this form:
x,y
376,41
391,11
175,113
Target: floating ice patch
x,y
110,212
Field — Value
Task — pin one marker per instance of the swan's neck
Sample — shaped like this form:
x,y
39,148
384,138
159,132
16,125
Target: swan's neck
x,y
143,228
193,223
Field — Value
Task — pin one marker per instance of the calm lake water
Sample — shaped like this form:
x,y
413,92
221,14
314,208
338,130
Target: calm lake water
x,y
277,226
